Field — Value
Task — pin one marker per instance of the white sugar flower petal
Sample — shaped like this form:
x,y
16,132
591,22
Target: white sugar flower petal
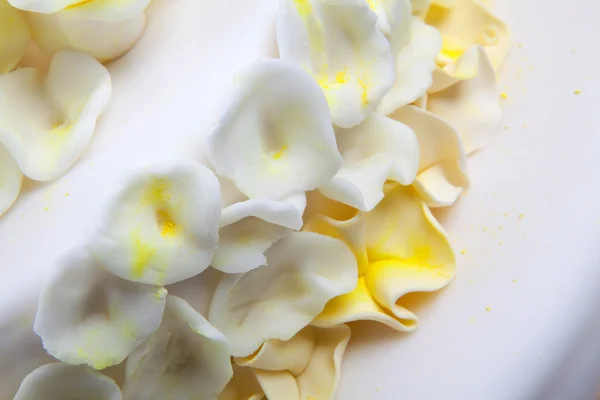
x,y
243,386
464,67
187,358
469,23
443,165
471,106
198,290
414,66
47,125
275,138
339,44
93,9
104,40
250,227
420,7
60,381
11,179
162,225
304,270
373,152
394,19
88,316
305,367
14,37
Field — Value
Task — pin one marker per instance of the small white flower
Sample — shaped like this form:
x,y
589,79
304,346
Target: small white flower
x,y
88,316
11,179
104,40
162,225
275,138
187,358
63,382
14,37
339,44
443,165
373,152
471,106
304,270
46,125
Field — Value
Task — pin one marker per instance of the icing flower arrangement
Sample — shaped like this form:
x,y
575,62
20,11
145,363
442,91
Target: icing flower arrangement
x,y
49,108
235,276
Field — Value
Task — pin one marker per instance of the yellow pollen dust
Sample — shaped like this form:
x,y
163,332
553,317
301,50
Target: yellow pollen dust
x,y
365,91
166,224
280,153
303,6
451,48
342,76
78,4
371,4
142,254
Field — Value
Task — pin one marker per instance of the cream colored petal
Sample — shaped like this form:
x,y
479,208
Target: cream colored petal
x,y
187,358
46,125
469,23
443,165
304,270
305,367
414,66
420,7
250,227
339,44
64,382
104,40
14,37
275,138
11,179
464,67
243,386
408,250
393,19
373,152
104,10
162,224
471,106
88,316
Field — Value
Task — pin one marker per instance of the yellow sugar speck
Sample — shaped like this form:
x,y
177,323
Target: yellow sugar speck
x,y
342,76
463,252
66,194
504,95
501,242
46,208
525,125
520,45
488,309
521,215
573,51
280,152
577,91
514,281
165,220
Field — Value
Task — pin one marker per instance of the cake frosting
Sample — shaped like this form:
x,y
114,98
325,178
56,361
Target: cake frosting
x,y
303,205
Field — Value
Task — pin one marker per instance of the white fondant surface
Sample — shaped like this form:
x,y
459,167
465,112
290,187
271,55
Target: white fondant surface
x,y
530,225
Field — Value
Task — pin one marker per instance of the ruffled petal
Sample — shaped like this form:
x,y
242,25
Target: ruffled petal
x,y
339,44
243,386
187,358
162,225
374,151
464,67
60,381
47,125
104,40
14,37
250,227
393,19
443,166
304,271
408,250
11,179
92,9
471,106
305,367
88,316
275,138
198,290
469,23
414,66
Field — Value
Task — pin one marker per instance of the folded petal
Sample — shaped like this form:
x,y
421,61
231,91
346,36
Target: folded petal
x,y
197,290
304,367
162,224
414,66
88,316
11,179
104,40
250,227
464,67
275,138
304,271
60,381
187,358
14,37
408,250
46,125
339,44
393,19
373,152
443,165
471,106
469,23
92,9
243,386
